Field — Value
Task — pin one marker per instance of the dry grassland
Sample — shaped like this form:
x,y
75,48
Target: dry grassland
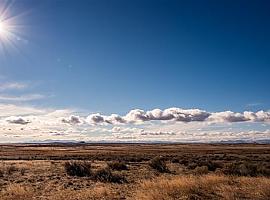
x,y
134,171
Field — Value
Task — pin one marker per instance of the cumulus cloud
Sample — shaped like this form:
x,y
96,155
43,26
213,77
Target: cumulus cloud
x,y
179,115
137,115
72,120
44,123
185,115
114,119
17,120
95,118
228,116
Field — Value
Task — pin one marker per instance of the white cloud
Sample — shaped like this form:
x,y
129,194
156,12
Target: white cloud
x,y
72,120
158,133
95,119
28,123
228,116
28,97
114,119
13,86
7,110
178,115
17,120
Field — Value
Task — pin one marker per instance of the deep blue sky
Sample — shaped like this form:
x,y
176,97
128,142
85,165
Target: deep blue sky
x,y
113,56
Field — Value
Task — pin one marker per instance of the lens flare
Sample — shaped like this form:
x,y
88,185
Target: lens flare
x,y
3,29
10,30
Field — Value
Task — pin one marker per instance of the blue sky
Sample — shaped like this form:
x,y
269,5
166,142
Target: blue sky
x,y
107,57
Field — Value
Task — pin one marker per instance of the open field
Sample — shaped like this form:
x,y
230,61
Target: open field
x,y
134,171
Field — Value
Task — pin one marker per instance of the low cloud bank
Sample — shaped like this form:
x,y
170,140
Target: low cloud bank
x,y
178,114
138,116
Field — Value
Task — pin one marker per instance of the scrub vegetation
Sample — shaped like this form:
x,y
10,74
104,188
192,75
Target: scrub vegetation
x,y
134,171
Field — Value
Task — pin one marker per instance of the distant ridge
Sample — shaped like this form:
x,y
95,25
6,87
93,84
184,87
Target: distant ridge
x,y
260,141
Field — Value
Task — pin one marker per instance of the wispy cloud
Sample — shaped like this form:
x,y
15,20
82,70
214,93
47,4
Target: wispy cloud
x,y
12,86
255,104
27,97
7,110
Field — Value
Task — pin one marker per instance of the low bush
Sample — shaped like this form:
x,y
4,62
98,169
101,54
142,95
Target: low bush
x,y
22,171
192,165
118,165
159,164
78,168
106,175
246,169
11,169
212,166
175,160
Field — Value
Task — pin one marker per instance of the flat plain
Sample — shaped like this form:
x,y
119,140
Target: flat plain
x,y
134,171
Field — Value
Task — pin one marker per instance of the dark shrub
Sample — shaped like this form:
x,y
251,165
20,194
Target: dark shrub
x,y
159,164
246,169
212,166
263,170
11,169
184,162
238,169
192,165
78,168
22,171
175,160
117,165
106,175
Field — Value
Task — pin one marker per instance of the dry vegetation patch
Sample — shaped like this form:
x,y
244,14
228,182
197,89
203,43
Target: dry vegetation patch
x,y
106,175
158,163
135,172
118,165
78,168
17,192
204,187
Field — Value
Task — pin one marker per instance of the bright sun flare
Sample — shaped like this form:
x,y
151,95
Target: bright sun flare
x,y
9,28
3,29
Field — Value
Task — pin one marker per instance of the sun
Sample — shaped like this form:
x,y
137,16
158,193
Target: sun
x,y
6,34
11,28
2,28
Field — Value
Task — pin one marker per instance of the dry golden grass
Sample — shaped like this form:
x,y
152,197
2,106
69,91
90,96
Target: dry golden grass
x,y
193,172
19,192
96,193
204,187
16,192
